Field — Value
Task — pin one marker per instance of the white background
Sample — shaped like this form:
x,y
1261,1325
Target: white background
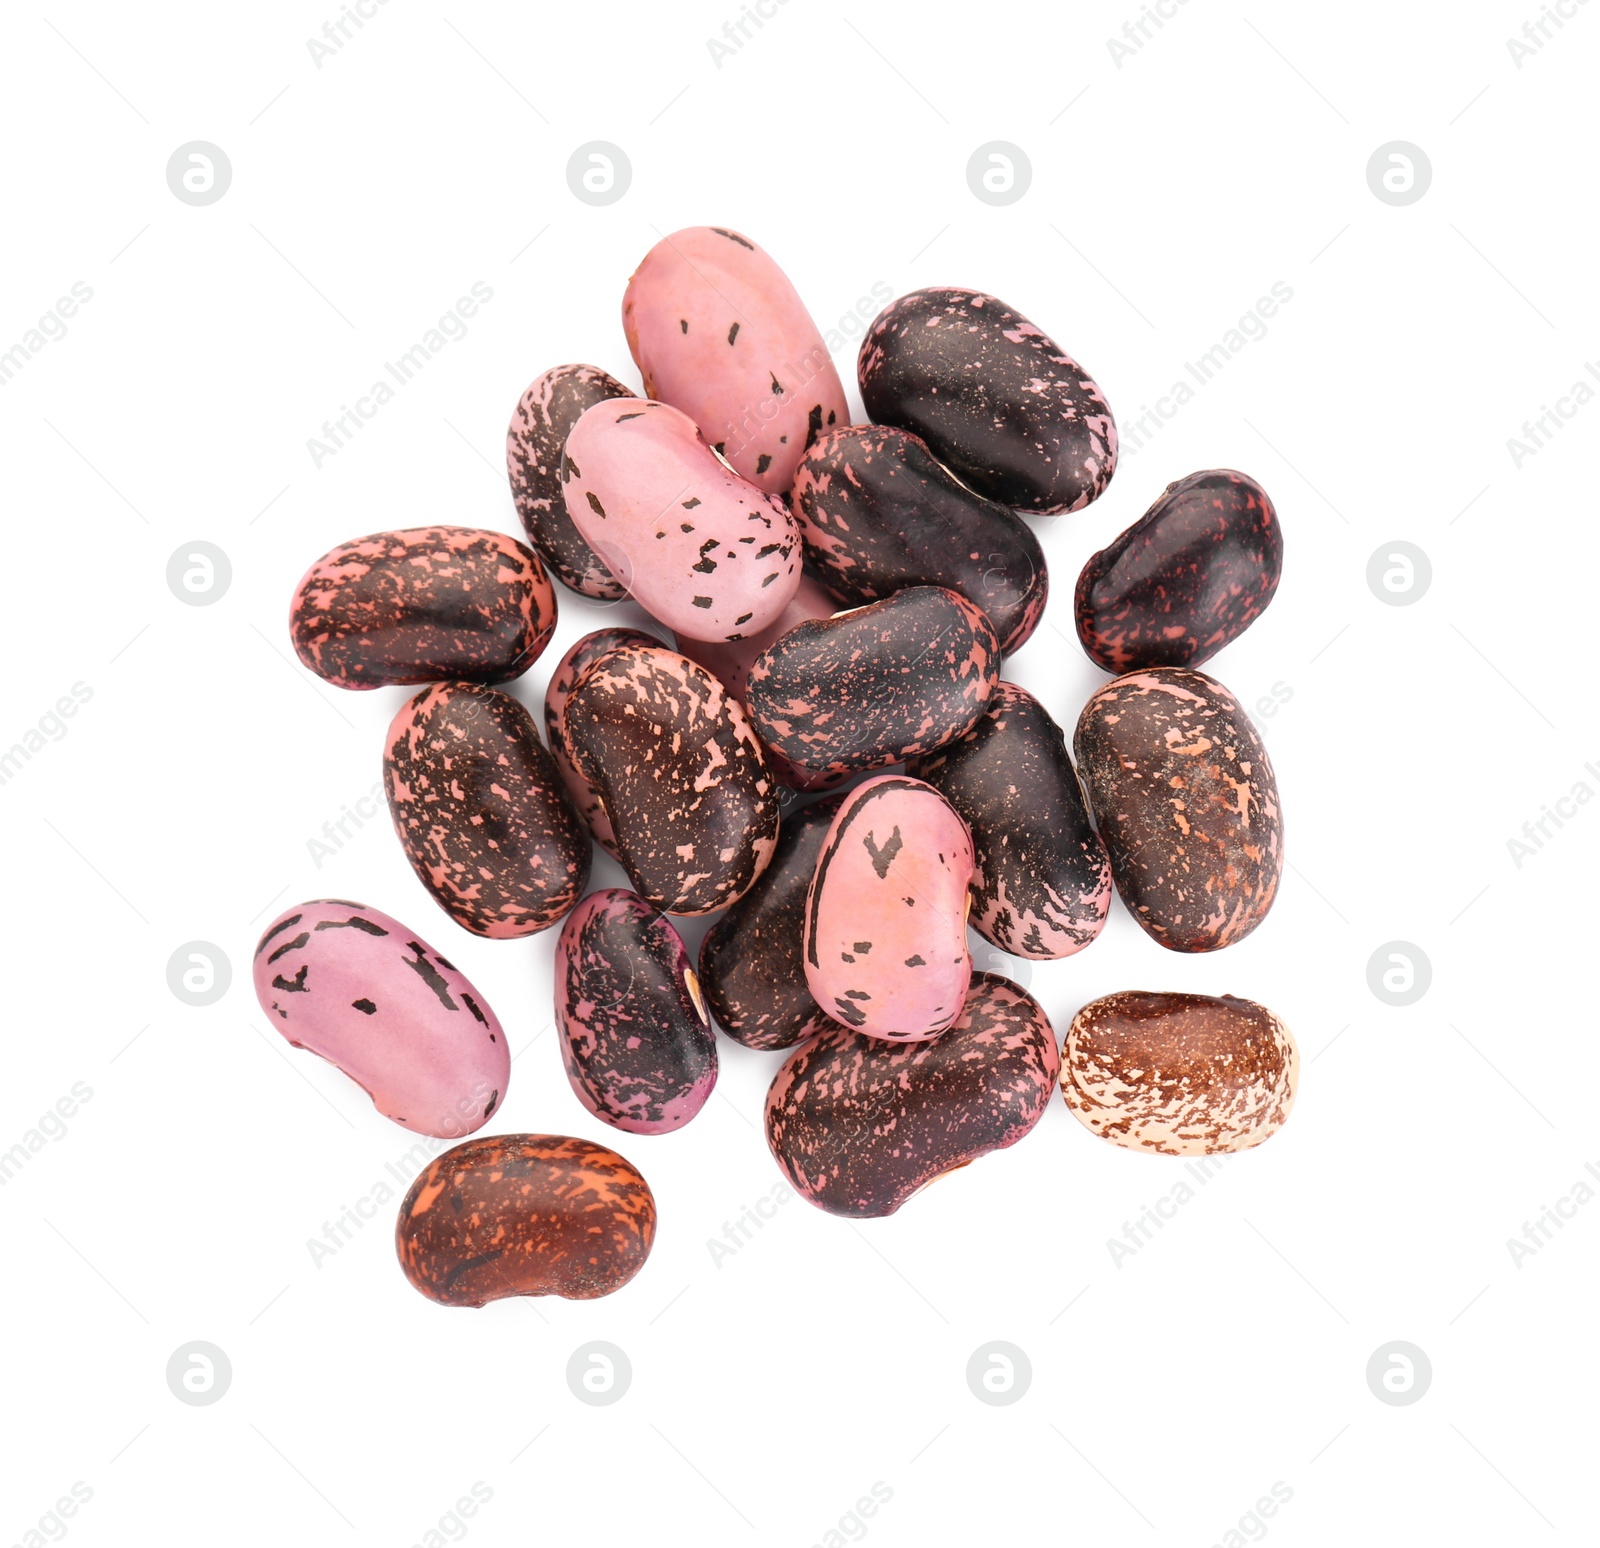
x,y
772,1391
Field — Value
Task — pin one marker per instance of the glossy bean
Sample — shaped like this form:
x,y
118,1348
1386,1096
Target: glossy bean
x,y
1183,793
524,1214
1041,883
534,446
478,805
718,331
699,547
1190,576
999,403
886,913
878,513
858,1125
875,685
370,996
635,1038
430,604
680,775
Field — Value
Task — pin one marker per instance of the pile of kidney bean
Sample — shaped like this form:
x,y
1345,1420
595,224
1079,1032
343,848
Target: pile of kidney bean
x,y
826,753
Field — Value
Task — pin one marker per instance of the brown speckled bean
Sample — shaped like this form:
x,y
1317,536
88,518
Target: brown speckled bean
x,y
525,1214
1180,1074
1184,796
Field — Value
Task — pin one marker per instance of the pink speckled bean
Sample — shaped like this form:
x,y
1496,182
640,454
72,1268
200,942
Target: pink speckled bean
x,y
718,331
370,996
701,548
886,916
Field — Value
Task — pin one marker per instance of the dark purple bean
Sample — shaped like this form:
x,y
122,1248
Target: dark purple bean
x,y
534,446
752,969
1041,886
1190,576
878,514
478,805
999,403
858,1125
569,670
635,1037
679,773
871,687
